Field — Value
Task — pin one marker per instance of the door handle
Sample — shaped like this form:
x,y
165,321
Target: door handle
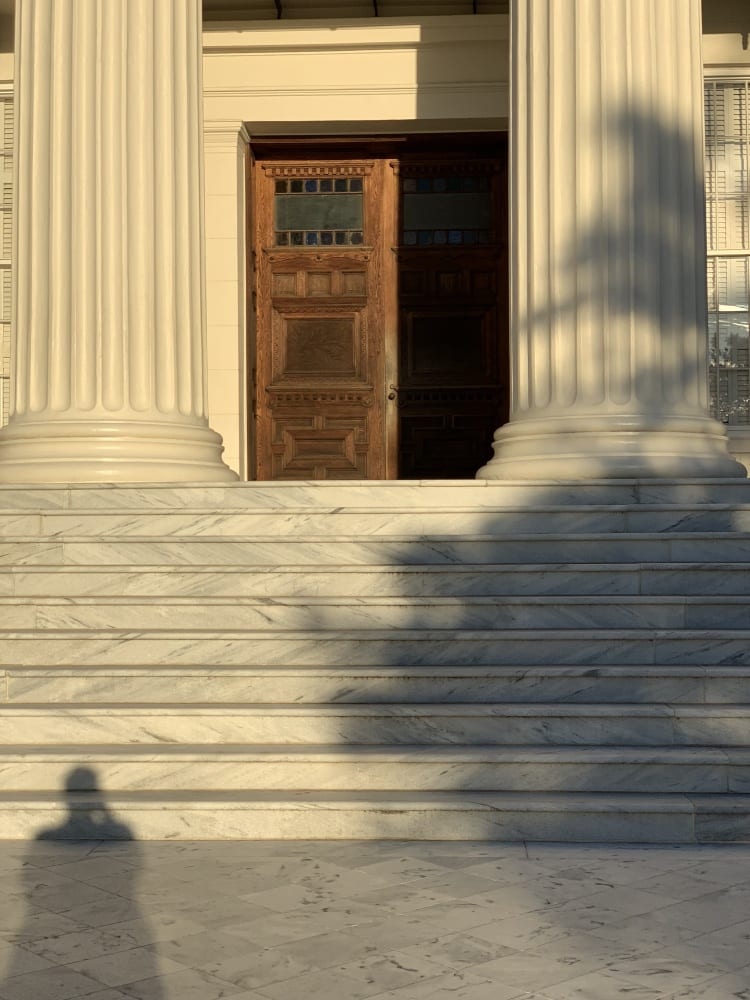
x,y
393,391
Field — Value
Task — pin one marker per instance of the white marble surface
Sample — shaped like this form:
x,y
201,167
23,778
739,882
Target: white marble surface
x,y
318,919
381,521
545,684
375,612
473,642
408,768
332,552
406,648
383,724
352,521
476,492
655,725
408,815
659,579
385,920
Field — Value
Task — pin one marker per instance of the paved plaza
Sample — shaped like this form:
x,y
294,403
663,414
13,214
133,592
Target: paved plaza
x,y
380,920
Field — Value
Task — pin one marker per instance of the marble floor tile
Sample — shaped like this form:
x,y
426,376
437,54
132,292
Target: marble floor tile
x,y
325,951
460,915
724,872
524,932
191,984
575,945
79,946
677,885
646,933
400,930
735,986
57,983
602,985
662,971
728,947
537,970
39,924
108,994
457,951
265,932
511,870
406,898
322,985
393,970
112,911
122,967
159,927
15,961
234,959
258,969
454,986
375,920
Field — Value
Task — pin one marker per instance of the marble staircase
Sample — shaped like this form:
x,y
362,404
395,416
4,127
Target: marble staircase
x,y
438,661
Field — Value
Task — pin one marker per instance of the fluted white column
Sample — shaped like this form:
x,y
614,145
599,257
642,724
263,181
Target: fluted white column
x,y
607,245
109,380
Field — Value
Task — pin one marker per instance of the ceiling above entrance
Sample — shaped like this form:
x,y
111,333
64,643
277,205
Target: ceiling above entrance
x,y
272,10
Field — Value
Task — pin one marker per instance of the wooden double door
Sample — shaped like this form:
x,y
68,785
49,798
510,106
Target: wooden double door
x,y
379,298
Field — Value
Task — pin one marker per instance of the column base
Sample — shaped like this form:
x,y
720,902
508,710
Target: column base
x,y
111,451
606,448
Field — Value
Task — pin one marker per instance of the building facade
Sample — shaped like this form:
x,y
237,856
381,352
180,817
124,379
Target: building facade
x,y
160,297
393,244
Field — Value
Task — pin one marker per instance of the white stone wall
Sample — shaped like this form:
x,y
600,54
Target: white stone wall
x,y
6,221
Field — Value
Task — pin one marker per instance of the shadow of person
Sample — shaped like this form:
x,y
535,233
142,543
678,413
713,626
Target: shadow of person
x,y
88,815
74,916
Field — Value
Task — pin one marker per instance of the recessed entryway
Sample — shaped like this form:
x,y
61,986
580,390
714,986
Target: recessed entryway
x,y
379,299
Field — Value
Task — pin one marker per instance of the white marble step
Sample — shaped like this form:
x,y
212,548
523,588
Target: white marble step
x,y
450,613
374,648
327,552
404,494
512,816
384,581
376,768
438,723
193,684
431,521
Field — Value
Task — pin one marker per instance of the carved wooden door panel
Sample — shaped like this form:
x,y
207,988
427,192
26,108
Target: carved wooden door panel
x,y
453,327
319,257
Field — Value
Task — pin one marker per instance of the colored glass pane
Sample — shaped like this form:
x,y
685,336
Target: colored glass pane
x,y
319,211
448,209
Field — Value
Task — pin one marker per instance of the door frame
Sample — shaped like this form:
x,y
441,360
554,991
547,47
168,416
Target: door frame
x,y
386,146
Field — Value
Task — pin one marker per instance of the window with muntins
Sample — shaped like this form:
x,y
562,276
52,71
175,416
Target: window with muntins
x,y
727,114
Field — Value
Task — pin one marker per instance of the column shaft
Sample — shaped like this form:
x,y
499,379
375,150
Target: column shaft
x,y
109,380
607,246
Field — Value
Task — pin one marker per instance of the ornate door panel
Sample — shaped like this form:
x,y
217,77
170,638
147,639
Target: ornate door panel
x,y
380,307
320,394
453,341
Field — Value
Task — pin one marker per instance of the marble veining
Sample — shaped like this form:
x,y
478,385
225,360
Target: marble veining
x,y
313,612
469,659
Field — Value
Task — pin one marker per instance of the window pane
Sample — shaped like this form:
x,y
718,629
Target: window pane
x,y
727,115
451,209
729,338
727,166
447,211
319,211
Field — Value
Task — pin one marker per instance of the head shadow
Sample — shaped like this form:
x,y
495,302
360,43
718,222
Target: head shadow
x,y
89,817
